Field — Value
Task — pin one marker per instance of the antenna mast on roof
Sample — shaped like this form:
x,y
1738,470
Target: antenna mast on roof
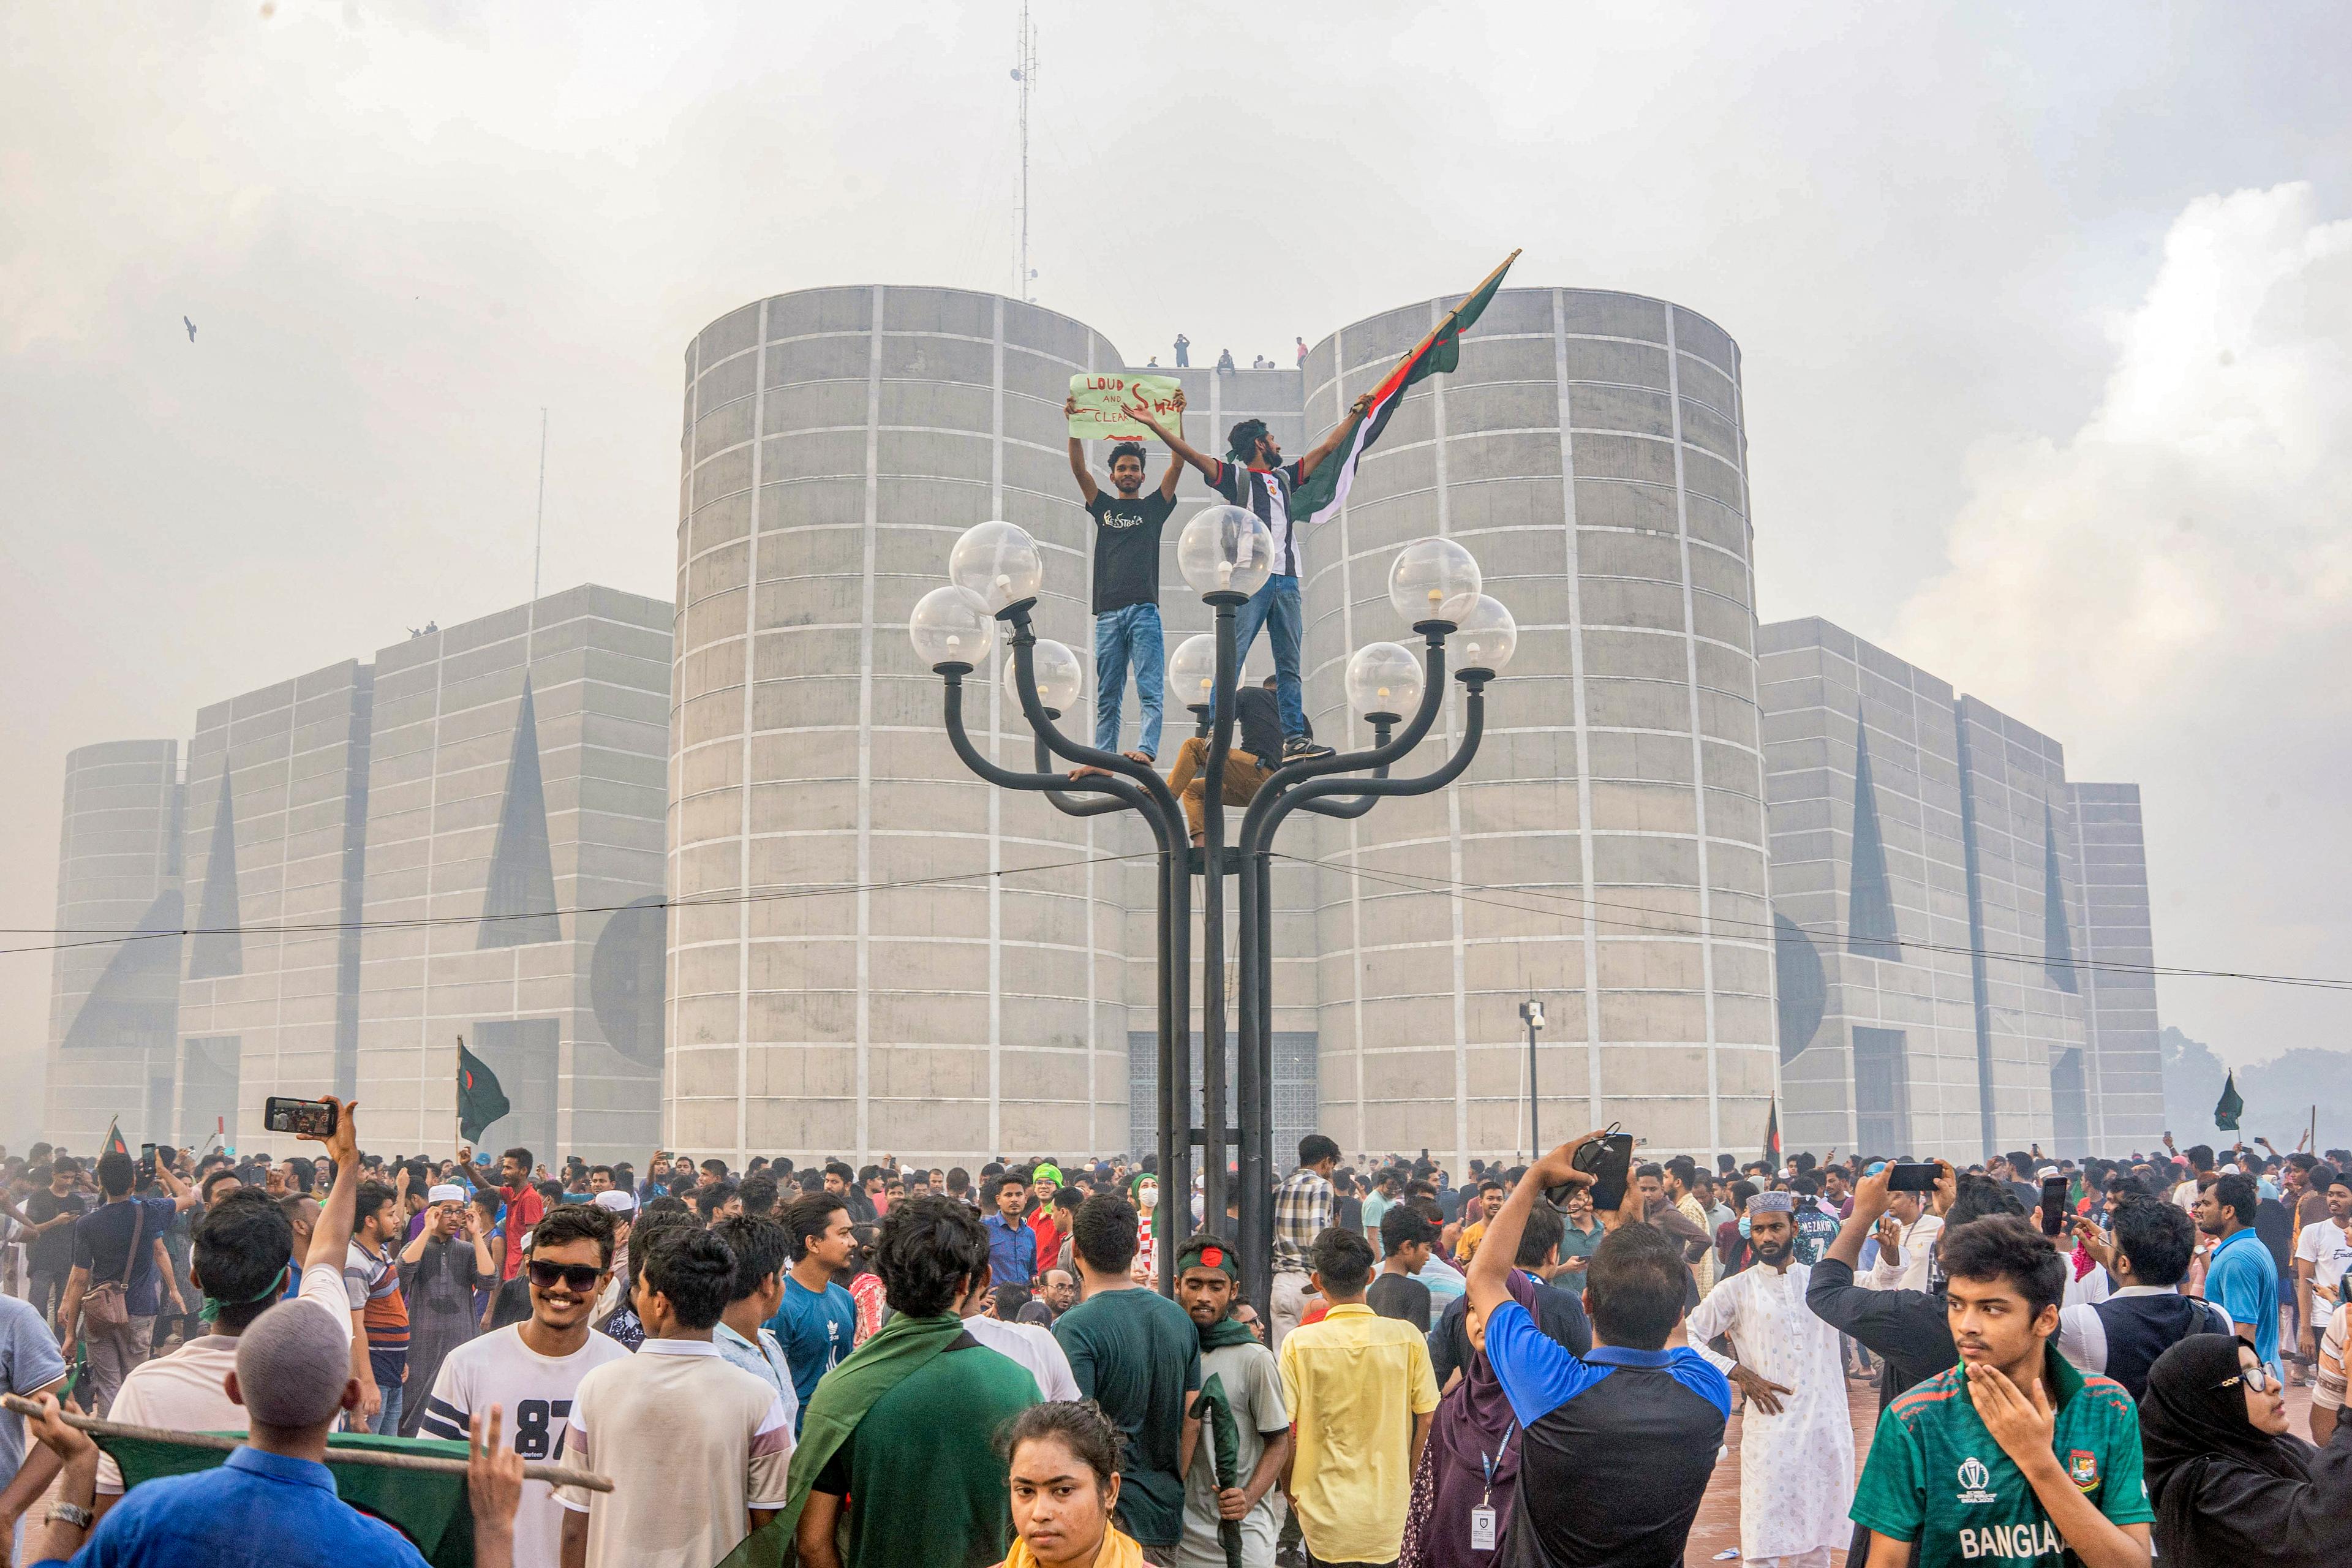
x,y
1025,72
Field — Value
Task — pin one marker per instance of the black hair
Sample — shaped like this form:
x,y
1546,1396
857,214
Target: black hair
x,y
2200,1156
2158,1238
1007,1178
1068,1196
1314,1149
840,1168
1683,1167
1740,1191
759,1195
927,1252
1009,1300
958,1179
2325,1176
1081,1426
760,1248
1634,1286
663,1204
2240,1194
647,1233
1656,1173
808,1216
712,1198
214,1179
576,1222
116,1172
371,1196
1127,450
1105,1233
239,1248
1343,1258
695,1270
1978,1196
520,1156
1487,1182
2004,1246
1402,1227
1241,443
1546,1226
302,1171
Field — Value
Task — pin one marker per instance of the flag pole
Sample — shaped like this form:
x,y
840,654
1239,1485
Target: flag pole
x,y
458,1111
1447,320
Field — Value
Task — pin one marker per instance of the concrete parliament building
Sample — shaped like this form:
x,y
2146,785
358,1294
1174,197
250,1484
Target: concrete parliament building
x,y
1741,863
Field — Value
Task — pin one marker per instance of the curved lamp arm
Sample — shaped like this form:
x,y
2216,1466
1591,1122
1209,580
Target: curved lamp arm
x,y
1024,674
1381,728
1259,831
1280,784
1124,793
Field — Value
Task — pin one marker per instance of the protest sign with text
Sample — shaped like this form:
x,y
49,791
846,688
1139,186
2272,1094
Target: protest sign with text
x,y
1102,402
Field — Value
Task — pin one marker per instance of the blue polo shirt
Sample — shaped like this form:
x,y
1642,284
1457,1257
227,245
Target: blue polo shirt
x,y
1012,1251
256,1511
2241,1278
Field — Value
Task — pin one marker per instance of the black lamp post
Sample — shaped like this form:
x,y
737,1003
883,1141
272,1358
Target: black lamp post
x,y
1226,552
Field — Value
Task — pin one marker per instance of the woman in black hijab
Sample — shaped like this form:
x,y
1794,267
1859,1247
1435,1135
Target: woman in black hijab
x,y
2230,1485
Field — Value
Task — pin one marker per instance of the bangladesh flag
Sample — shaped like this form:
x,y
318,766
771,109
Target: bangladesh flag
x,y
2230,1107
481,1100
1772,1137
428,1507
114,1144
1326,489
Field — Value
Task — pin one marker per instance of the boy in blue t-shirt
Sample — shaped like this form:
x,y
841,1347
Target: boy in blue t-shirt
x,y
816,1322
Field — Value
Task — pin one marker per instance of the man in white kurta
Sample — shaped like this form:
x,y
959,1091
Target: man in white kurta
x,y
1796,1441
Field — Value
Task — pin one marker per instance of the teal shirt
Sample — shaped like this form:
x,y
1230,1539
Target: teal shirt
x,y
1937,1477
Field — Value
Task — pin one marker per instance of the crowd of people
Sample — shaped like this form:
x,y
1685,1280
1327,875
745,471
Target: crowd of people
x,y
2079,1362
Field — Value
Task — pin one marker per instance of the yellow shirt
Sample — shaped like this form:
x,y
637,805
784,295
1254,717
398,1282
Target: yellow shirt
x,y
1472,1235
1354,1383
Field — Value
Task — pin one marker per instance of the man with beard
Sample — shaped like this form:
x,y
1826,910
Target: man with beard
x,y
1796,1443
2240,1276
533,1369
1207,1285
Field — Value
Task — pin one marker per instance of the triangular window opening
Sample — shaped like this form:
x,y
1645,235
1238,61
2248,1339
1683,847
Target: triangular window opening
x,y
1870,912
519,907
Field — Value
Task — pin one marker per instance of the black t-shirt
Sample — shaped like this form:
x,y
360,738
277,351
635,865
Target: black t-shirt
x,y
1127,547
1258,716
52,1251
1401,1297
1559,1314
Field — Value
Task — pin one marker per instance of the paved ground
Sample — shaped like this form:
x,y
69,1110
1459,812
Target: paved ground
x,y
1718,1527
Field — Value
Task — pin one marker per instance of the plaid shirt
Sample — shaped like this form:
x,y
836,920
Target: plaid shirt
x,y
1302,1211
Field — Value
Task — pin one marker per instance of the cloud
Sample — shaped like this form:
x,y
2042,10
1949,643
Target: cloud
x,y
2168,589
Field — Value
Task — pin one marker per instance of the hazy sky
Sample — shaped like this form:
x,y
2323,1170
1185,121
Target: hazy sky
x,y
2046,315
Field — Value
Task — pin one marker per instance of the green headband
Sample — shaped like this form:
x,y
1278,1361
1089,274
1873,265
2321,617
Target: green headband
x,y
214,1304
1209,1252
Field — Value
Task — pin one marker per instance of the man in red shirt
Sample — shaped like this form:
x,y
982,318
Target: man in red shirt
x,y
525,1208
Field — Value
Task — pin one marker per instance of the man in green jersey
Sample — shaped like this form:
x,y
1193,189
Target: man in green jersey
x,y
2013,1457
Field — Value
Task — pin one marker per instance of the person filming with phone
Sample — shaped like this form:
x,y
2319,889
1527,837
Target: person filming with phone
x,y
1616,1446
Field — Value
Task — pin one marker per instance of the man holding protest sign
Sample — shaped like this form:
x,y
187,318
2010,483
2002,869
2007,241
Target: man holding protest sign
x,y
1128,524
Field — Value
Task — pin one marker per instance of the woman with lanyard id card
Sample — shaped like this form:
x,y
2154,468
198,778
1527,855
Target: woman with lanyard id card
x,y
1469,1474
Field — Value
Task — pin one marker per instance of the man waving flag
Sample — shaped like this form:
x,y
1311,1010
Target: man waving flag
x,y
1318,499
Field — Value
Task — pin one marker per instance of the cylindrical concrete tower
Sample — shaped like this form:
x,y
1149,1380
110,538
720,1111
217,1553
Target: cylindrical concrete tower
x,y
114,1006
865,959
1610,838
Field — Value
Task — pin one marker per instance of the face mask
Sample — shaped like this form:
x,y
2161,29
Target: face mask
x,y
1151,1193
1743,1227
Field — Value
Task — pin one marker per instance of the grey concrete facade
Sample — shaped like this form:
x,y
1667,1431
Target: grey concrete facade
x,y
1943,903
873,951
114,1005
1870,898
277,812
514,875
1608,845
2125,1106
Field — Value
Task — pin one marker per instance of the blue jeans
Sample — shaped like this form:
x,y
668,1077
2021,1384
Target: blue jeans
x,y
386,1421
1125,636
1276,607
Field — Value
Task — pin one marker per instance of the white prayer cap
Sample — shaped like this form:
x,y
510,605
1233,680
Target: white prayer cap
x,y
2044,1173
614,1199
446,1193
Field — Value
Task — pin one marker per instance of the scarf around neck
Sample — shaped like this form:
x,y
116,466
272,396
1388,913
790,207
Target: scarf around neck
x,y
1118,1551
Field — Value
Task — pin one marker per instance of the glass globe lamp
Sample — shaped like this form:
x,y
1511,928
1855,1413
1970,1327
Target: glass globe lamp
x,y
1060,677
999,563
1429,578
1225,550
1485,636
951,626
1192,672
1384,678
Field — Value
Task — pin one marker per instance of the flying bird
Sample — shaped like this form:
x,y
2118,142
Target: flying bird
x,y
191,326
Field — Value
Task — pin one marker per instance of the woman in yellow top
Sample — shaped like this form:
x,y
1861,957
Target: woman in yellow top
x,y
1064,1460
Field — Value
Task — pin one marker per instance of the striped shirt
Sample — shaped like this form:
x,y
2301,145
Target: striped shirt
x,y
372,1283
1302,1211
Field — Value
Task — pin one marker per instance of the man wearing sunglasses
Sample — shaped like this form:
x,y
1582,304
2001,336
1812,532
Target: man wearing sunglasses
x,y
534,1368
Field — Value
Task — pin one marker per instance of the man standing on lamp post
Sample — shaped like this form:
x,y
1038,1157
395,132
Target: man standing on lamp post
x,y
1127,525
1255,476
